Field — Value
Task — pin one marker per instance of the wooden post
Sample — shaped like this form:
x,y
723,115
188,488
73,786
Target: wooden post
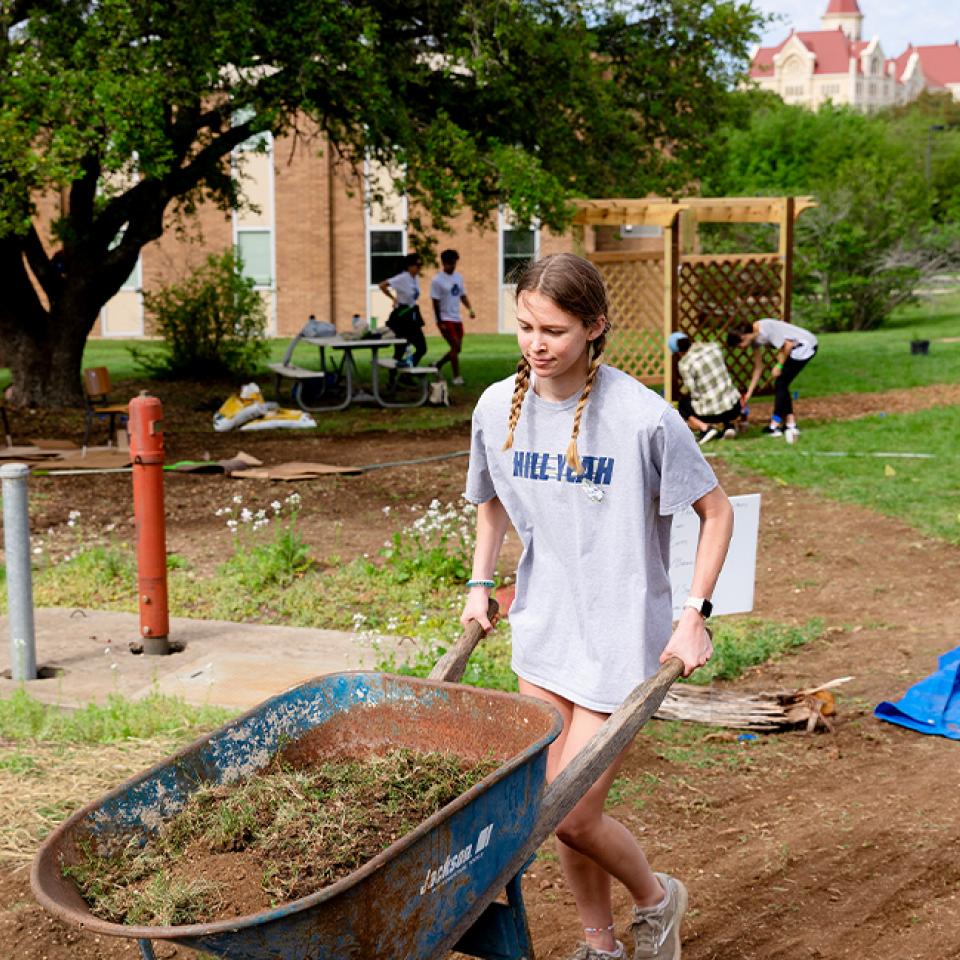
x,y
786,257
671,267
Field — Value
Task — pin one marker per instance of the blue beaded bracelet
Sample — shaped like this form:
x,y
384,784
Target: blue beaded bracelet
x,y
482,583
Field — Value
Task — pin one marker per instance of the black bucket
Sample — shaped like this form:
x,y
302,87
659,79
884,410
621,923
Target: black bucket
x,y
920,347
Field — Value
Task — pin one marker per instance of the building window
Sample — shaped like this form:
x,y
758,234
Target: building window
x,y
254,249
386,254
519,248
794,91
872,89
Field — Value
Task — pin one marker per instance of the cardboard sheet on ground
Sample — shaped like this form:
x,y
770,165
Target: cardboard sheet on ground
x,y
96,458
28,454
933,704
295,470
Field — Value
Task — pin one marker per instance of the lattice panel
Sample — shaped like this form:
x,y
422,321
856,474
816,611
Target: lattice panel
x,y
635,290
717,294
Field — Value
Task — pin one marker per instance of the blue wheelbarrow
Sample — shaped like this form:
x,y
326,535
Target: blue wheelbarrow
x,y
434,890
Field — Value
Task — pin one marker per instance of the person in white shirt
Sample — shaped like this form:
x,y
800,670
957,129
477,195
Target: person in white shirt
x,y
405,319
447,290
795,348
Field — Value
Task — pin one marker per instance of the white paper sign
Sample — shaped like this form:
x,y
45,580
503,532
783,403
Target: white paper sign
x,y
734,592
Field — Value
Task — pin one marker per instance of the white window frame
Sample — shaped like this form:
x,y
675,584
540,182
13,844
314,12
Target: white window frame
x,y
504,223
369,227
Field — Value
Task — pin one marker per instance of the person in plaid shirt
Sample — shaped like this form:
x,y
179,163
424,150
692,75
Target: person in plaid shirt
x,y
710,403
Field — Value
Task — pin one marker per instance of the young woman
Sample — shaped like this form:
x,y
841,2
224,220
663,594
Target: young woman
x,y
795,348
405,319
592,613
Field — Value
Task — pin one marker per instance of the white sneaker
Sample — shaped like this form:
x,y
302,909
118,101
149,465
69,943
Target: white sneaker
x,y
457,381
791,434
656,931
729,434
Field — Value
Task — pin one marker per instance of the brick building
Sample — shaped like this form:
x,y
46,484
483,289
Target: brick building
x,y
313,245
835,64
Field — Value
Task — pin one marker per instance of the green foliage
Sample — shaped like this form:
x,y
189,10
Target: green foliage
x,y
438,544
488,667
137,114
879,229
739,645
93,575
275,563
23,718
212,323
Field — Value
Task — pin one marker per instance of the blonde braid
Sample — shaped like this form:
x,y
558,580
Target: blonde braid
x,y
573,455
519,392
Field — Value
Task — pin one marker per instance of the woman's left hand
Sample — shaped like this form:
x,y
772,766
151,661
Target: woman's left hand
x,y
690,642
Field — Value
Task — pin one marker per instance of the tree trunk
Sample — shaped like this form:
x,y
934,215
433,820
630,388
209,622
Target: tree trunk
x,y
45,361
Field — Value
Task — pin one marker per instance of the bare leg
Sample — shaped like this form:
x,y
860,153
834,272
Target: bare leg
x,y
594,847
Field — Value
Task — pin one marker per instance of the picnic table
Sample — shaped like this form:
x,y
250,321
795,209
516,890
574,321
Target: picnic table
x,y
337,383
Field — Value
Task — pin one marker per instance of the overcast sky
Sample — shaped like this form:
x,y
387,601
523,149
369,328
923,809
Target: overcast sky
x,y
896,22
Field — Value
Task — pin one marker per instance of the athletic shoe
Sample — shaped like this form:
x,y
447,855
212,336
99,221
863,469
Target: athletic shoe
x,y
730,433
709,434
585,952
405,363
656,930
791,434
457,381
773,430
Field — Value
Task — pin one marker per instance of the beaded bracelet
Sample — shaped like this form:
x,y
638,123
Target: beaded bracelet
x,y
482,583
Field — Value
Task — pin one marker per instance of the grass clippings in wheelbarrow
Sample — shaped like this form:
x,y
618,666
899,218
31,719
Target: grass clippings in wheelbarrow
x,y
271,838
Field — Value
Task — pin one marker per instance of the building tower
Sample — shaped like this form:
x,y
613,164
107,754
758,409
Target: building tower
x,y
844,14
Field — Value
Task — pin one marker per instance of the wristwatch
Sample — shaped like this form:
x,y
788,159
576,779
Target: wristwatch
x,y
703,606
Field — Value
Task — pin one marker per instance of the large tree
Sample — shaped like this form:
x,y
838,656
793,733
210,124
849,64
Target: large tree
x,y
128,111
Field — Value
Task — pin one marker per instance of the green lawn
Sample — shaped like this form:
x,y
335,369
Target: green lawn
x,y
844,461
881,359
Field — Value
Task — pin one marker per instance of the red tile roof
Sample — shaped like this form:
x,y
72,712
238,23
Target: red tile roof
x,y
940,63
843,6
832,50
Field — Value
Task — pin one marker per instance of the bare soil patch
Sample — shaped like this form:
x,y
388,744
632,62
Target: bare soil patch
x,y
843,845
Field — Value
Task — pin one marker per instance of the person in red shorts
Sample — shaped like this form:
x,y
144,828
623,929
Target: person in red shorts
x,y
447,290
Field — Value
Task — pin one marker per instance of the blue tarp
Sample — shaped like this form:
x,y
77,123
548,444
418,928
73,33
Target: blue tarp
x,y
933,704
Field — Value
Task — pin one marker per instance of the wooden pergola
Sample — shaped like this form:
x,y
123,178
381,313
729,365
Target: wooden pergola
x,y
654,292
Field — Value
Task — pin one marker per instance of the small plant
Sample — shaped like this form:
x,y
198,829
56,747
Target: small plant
x,y
274,563
212,323
439,544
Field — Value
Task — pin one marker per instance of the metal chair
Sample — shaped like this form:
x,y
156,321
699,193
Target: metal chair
x,y
96,390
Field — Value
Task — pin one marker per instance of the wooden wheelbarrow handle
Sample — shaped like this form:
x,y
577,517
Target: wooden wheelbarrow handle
x,y
452,664
561,796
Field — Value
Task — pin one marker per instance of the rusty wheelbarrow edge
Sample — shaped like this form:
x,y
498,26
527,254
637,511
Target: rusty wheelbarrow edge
x,y
46,859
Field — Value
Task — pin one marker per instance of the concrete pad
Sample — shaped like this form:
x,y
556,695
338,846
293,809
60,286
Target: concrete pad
x,y
234,665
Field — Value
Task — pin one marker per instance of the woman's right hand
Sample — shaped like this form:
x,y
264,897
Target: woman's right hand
x,y
476,608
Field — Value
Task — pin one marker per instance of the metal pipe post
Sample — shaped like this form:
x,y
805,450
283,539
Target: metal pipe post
x,y
16,545
146,452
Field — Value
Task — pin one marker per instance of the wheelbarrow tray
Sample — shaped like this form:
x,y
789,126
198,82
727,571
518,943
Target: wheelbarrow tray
x,y
403,903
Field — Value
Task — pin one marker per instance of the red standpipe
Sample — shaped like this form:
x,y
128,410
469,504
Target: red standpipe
x,y
146,452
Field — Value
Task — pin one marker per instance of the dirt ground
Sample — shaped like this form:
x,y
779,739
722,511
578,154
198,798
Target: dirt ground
x,y
842,845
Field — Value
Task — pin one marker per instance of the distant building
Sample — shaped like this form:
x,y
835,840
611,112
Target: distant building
x,y
811,67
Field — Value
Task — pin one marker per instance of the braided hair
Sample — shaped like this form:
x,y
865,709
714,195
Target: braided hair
x,y
576,287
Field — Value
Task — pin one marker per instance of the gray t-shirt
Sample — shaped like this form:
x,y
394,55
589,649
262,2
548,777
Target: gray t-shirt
x,y
593,607
773,333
